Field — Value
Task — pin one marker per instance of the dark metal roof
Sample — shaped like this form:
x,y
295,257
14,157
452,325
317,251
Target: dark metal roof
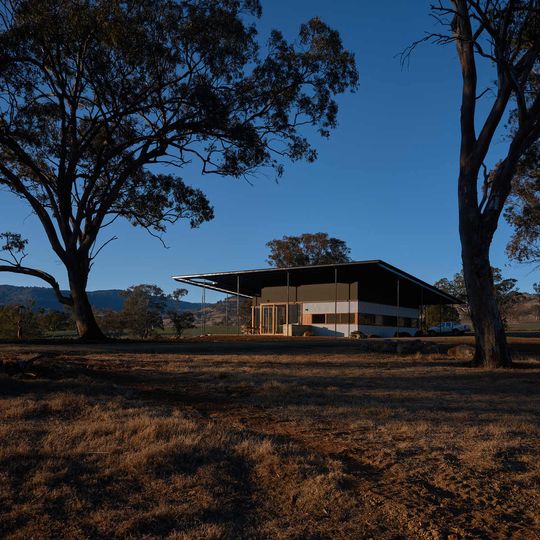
x,y
377,281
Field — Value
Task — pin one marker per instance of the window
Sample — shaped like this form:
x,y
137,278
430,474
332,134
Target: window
x,y
409,323
386,320
340,318
256,317
389,320
333,318
347,318
294,313
367,318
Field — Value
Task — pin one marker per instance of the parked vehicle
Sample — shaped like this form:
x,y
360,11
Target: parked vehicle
x,y
449,328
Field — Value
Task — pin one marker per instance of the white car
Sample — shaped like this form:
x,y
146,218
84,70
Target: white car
x,y
449,327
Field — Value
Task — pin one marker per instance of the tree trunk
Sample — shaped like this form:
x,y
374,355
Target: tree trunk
x,y
491,346
87,326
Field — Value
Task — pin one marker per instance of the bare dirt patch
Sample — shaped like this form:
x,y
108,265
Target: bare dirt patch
x,y
322,443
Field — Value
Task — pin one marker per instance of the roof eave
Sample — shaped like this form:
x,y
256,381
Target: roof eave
x,y
190,278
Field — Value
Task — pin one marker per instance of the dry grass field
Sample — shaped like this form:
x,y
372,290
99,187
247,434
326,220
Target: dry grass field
x,y
320,442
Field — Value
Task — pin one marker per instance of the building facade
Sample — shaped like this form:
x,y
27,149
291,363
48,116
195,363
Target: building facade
x,y
371,297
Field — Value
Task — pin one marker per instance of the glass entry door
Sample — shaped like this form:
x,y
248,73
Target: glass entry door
x,y
267,319
273,317
280,311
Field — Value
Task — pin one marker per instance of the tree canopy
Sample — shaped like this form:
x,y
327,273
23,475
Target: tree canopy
x,y
523,210
180,320
506,291
307,249
143,309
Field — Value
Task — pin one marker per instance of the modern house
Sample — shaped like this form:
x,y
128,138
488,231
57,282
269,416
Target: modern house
x,y
372,297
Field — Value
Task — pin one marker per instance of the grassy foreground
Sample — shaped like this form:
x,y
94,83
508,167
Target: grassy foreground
x,y
319,444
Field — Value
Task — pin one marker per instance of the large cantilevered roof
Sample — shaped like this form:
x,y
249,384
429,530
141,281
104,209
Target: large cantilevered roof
x,y
377,282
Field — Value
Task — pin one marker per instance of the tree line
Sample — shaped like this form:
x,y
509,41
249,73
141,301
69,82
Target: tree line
x,y
145,312
506,290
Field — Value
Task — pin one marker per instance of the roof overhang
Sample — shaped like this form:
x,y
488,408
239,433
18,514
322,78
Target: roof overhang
x,y
381,279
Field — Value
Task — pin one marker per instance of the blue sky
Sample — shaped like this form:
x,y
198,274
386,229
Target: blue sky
x,y
385,181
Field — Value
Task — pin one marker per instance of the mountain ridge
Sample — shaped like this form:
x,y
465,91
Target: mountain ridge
x,y
44,298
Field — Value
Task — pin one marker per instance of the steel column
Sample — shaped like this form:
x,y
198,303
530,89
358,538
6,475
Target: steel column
x,y
287,308
421,318
227,313
397,309
203,302
335,300
349,312
238,303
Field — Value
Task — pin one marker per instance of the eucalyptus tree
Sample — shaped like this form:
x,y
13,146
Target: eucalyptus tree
x,y
143,309
95,94
503,36
307,249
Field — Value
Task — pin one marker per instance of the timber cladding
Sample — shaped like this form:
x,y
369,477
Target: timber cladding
x,y
310,293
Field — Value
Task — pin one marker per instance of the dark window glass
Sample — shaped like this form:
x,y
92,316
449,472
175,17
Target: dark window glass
x,y
386,320
367,318
318,318
408,322
389,320
346,318
340,318
294,313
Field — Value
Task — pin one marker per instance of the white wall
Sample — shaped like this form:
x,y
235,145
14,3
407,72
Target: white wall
x,y
329,307
385,331
358,307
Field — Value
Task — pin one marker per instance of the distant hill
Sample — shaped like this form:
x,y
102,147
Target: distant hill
x,y
527,310
43,297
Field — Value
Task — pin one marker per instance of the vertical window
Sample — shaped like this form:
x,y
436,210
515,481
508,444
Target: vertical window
x,y
294,313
